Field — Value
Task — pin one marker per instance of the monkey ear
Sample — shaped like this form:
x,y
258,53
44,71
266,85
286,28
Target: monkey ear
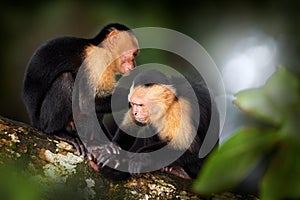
x,y
171,88
111,38
130,92
113,33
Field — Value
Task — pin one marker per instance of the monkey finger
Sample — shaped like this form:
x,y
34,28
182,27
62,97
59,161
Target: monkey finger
x,y
107,151
77,149
104,152
134,168
106,157
103,158
81,147
105,163
137,169
114,148
90,156
110,148
117,164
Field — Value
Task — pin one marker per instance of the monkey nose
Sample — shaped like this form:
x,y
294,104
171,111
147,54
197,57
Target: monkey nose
x,y
135,113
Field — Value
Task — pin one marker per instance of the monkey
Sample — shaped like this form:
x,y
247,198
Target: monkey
x,y
52,70
165,106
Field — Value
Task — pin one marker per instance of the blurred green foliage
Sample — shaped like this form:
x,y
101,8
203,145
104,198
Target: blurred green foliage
x,y
276,105
17,185
216,25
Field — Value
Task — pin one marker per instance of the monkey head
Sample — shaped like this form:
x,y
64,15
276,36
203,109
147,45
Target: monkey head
x,y
124,47
149,103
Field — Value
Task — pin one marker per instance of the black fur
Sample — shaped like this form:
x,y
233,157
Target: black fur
x,y
149,78
189,161
49,80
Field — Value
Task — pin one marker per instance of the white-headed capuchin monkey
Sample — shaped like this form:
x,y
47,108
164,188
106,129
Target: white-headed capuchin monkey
x,y
51,73
168,107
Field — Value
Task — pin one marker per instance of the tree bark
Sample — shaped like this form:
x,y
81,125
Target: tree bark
x,y
34,165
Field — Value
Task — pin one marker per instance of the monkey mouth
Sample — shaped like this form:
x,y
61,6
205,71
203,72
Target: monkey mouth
x,y
140,123
127,67
128,70
141,119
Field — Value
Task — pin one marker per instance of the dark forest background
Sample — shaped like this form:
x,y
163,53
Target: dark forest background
x,y
217,26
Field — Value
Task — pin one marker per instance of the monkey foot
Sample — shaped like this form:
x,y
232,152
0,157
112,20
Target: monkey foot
x,y
177,171
138,162
75,141
105,154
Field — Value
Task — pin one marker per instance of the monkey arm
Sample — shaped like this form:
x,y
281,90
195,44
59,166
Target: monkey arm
x,y
103,104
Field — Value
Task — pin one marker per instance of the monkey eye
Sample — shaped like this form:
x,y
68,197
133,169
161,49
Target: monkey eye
x,y
136,104
148,84
136,53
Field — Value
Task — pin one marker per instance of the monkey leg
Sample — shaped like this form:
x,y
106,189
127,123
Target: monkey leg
x,y
56,112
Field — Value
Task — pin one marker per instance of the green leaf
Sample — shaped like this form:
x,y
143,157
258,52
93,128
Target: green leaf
x,y
256,103
283,89
273,101
282,179
291,125
227,166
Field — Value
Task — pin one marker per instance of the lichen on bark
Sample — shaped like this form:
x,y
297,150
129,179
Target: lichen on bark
x,y
35,166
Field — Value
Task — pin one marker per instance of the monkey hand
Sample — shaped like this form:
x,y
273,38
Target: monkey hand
x,y
137,162
105,154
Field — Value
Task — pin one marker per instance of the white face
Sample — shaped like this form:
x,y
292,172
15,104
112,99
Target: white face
x,y
139,106
125,48
149,104
128,61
